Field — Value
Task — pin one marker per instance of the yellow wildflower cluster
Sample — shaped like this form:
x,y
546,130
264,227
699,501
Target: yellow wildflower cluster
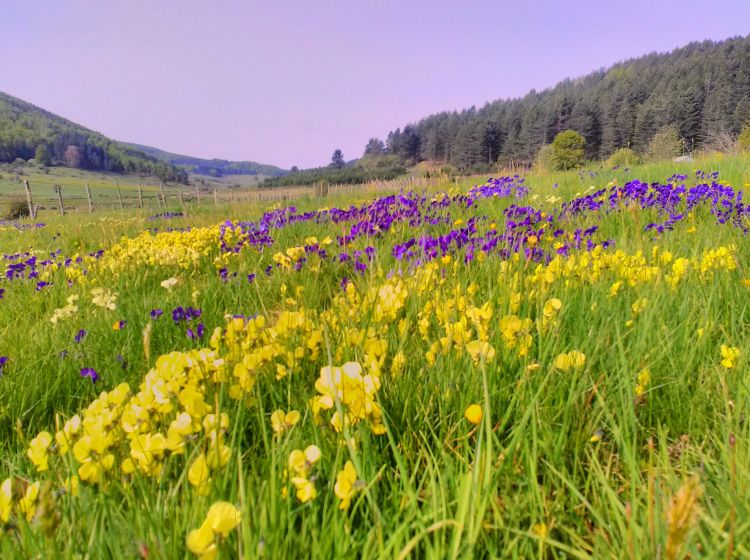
x,y
221,519
137,432
570,360
66,311
300,466
351,394
729,356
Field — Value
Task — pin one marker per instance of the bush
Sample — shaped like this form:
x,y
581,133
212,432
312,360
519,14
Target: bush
x,y
543,160
624,156
666,144
567,150
17,208
744,139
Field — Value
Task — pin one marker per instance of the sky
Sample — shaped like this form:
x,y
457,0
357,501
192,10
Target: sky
x,y
287,82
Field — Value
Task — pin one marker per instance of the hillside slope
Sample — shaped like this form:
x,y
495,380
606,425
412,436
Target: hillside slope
x,y
703,88
211,167
27,131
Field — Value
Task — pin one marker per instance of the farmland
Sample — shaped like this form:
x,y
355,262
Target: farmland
x,y
546,366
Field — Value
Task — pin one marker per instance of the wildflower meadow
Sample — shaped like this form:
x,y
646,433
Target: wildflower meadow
x,y
542,366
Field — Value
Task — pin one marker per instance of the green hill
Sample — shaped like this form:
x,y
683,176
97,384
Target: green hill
x,y
703,89
210,167
28,132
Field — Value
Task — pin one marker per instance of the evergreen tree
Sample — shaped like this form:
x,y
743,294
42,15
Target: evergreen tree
x,y
374,147
337,159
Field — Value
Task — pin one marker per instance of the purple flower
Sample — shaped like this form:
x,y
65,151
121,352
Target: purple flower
x,y
250,279
198,333
156,313
40,285
3,362
80,336
2,292
90,373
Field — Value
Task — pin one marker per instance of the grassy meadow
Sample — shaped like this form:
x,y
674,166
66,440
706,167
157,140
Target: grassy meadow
x,y
552,366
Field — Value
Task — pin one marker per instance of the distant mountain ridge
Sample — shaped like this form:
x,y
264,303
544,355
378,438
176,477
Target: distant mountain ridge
x,y
29,132
210,167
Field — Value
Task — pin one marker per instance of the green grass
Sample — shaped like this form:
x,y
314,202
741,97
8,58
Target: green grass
x,y
527,482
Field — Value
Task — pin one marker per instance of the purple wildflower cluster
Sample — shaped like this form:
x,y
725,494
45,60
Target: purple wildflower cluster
x,y
187,315
166,216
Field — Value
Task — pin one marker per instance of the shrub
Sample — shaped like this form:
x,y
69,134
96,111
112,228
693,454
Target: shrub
x,y
624,156
543,160
567,150
666,144
744,139
17,208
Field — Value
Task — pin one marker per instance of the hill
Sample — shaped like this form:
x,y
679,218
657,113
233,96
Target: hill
x,y
210,167
28,132
703,88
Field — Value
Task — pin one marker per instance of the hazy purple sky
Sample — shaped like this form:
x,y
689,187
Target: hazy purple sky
x,y
286,82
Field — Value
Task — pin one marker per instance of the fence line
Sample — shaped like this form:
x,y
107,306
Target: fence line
x,y
67,202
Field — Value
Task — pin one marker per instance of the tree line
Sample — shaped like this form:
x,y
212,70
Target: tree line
x,y
701,90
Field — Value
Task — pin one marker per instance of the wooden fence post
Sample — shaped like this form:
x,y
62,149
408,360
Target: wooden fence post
x,y
58,190
182,203
216,200
32,210
88,197
197,194
140,196
163,195
119,194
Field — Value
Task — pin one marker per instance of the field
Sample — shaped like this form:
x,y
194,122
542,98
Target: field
x,y
552,366
104,190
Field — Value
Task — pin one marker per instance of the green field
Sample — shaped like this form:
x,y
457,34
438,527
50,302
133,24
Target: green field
x,y
528,370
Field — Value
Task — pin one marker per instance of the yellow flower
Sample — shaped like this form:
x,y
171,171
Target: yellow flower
x,y
198,475
644,378
281,421
346,485
6,500
480,350
38,451
223,517
730,355
473,414
300,462
572,360
305,489
202,542
169,283
102,297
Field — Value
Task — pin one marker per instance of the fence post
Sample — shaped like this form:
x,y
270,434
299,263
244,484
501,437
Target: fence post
x,y
88,197
58,190
216,200
32,210
182,203
163,195
119,194
197,194
140,196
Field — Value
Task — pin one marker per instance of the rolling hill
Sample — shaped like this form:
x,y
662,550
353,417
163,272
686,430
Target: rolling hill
x,y
210,167
29,132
